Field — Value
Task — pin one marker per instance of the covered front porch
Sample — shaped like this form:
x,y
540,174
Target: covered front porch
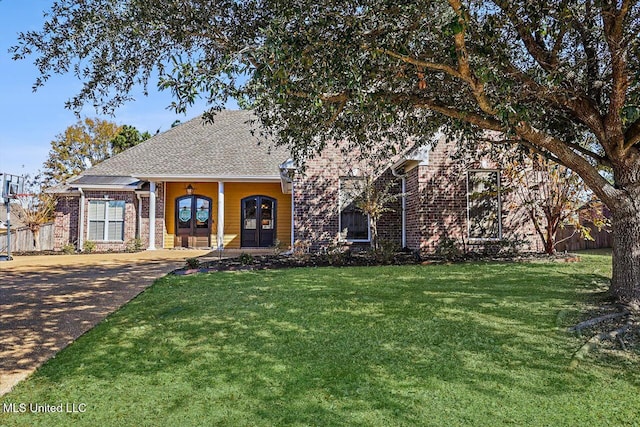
x,y
226,214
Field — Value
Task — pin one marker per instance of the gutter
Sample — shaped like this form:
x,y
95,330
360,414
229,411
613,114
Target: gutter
x,y
139,231
210,178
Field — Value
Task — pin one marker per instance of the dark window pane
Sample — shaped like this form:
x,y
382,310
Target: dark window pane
x,y
266,209
354,224
484,205
250,214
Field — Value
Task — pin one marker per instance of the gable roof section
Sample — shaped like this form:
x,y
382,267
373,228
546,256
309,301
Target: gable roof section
x,y
195,149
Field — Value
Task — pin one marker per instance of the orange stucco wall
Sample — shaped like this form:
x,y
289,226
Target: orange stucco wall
x,y
234,192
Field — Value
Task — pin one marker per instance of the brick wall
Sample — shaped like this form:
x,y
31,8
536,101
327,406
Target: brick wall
x,y
68,213
66,222
160,223
437,203
316,212
443,208
390,224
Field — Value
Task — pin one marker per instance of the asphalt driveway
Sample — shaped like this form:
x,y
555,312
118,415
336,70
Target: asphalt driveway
x,y
46,302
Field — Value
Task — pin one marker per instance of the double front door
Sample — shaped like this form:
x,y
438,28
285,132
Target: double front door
x,y
258,221
193,221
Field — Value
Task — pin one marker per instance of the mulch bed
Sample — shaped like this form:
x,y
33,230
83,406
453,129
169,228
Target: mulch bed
x,y
247,262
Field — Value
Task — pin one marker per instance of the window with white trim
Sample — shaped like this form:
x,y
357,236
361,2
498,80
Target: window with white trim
x,y
483,205
353,223
106,220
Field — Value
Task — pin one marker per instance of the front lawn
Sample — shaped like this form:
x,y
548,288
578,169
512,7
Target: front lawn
x,y
442,345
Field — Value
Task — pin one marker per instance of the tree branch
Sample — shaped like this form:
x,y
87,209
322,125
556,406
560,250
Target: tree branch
x,y
600,159
417,62
465,116
581,107
632,135
537,52
464,67
613,20
569,158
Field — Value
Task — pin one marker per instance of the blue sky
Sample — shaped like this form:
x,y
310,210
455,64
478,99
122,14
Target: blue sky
x,y
31,120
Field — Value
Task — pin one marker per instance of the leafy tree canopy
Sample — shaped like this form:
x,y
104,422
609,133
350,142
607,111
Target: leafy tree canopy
x,y
548,75
128,137
85,144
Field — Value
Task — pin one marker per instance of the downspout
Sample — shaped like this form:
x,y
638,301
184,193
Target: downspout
x,y
81,222
403,178
139,230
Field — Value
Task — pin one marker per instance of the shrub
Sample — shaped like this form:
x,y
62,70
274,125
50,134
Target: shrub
x,y
89,246
193,262
448,249
386,252
301,247
338,255
278,247
245,258
134,245
69,249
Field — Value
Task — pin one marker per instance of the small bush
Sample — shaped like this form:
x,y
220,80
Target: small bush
x,y
245,258
89,246
448,249
69,249
193,262
338,255
278,247
301,249
386,252
134,245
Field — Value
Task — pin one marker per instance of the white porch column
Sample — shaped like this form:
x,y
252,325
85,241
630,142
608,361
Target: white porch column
x,y
152,216
220,231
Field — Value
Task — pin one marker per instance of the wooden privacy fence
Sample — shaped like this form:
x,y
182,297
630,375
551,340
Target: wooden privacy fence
x,y
22,239
602,239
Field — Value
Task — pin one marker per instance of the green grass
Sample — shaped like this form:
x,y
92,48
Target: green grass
x,y
470,344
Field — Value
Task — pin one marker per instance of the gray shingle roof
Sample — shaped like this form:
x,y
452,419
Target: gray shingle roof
x,y
225,148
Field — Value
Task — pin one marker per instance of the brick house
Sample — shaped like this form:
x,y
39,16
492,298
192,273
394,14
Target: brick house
x,y
213,185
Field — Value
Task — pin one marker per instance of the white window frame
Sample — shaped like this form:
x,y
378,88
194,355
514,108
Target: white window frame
x,y
106,220
368,239
485,239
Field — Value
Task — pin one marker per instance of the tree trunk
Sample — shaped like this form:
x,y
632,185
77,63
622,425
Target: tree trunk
x,y
374,233
36,238
625,283
550,241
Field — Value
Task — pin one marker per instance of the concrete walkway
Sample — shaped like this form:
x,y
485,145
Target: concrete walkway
x,y
46,302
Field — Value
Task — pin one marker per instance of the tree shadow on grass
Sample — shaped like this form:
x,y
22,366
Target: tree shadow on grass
x,y
333,346
43,311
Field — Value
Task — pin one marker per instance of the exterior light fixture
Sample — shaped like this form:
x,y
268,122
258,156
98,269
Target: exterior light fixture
x,y
189,189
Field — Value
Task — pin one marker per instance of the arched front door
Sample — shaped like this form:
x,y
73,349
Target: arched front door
x,y
193,221
258,221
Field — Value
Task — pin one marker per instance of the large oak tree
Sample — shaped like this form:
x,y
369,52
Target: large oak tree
x,y
559,77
